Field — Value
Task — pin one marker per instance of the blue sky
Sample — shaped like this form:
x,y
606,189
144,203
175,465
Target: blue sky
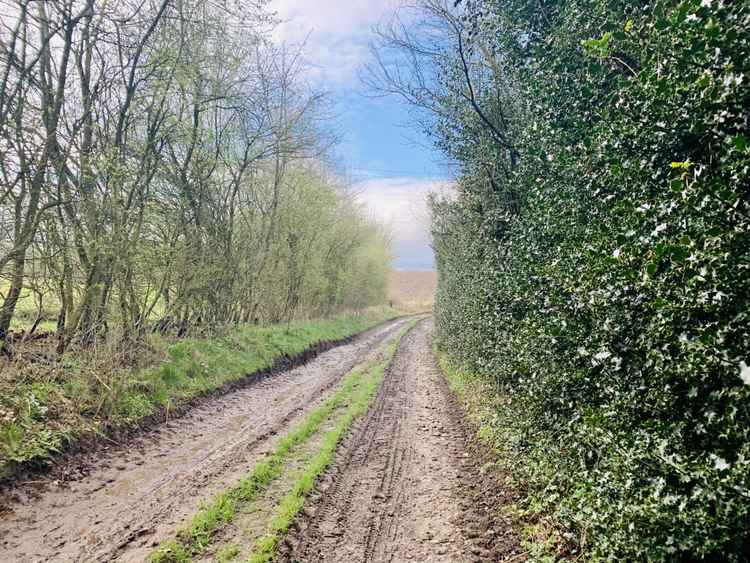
x,y
390,162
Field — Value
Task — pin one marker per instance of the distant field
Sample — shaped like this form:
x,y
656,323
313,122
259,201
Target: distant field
x,y
413,290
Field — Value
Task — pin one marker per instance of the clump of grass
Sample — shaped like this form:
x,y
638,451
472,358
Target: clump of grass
x,y
229,553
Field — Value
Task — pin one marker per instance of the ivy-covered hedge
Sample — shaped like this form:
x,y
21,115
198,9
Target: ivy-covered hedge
x,y
605,280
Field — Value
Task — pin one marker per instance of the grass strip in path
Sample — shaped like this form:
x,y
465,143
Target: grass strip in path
x,y
264,549
201,531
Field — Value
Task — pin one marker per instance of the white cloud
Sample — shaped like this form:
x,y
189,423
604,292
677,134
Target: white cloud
x,y
335,32
402,203
336,36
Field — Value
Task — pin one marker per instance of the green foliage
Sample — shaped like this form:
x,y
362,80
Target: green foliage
x,y
603,281
600,48
203,202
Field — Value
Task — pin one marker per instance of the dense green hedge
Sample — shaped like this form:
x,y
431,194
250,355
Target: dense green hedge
x,y
604,280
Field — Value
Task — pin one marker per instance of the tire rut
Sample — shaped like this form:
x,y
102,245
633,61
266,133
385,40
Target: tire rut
x,y
408,482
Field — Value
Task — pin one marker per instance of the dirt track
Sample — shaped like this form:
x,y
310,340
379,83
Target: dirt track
x,y
127,500
408,483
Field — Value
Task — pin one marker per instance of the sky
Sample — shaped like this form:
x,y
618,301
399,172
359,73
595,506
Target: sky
x,y
389,160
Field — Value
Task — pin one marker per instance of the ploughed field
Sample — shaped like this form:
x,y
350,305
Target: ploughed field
x,y
412,290
361,454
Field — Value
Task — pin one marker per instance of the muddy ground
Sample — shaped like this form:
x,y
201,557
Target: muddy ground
x,y
125,500
409,482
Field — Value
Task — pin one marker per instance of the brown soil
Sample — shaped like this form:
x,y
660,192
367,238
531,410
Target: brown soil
x,y
122,501
412,290
252,522
410,482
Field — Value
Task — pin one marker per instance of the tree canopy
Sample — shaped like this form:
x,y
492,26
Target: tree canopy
x,y
164,167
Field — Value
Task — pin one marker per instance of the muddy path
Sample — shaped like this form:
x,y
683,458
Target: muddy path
x,y
126,500
409,483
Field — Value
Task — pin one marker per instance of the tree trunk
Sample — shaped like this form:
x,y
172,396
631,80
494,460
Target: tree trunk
x,y
16,285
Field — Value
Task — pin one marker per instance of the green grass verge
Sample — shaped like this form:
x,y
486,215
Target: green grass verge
x,y
354,395
483,402
44,406
488,408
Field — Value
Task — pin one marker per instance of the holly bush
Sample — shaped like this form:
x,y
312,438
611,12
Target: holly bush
x,y
603,279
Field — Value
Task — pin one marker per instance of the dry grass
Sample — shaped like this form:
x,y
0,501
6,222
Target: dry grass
x,y
412,290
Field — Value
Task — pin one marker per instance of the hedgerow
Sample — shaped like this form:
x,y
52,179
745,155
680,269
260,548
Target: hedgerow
x,y
601,271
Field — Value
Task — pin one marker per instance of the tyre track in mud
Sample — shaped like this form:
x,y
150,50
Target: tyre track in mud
x,y
130,498
408,482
